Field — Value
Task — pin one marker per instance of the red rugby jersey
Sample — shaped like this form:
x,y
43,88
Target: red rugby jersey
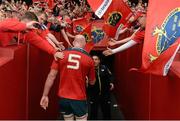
x,y
74,68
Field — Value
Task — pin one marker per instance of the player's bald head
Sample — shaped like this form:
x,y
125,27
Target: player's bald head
x,y
79,41
79,38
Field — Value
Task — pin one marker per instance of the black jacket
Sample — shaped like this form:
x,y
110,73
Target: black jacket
x,y
103,79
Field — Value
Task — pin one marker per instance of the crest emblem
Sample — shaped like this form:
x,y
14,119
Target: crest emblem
x,y
168,33
87,37
98,35
114,18
79,28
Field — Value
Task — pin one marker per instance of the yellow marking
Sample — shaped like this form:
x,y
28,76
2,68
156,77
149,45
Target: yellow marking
x,y
158,31
179,23
152,58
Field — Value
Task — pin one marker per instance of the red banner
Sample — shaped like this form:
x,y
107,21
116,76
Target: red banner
x,y
97,31
116,17
162,36
87,33
79,25
99,6
95,35
50,3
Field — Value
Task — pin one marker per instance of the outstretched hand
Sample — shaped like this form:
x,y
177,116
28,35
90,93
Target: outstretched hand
x,y
58,55
61,46
112,42
108,52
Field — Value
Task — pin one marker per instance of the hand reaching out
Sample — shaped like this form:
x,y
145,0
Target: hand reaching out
x,y
112,42
60,46
108,52
58,55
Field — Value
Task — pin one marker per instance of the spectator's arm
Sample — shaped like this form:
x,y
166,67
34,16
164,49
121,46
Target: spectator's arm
x,y
66,37
39,42
70,35
53,38
124,47
12,25
15,25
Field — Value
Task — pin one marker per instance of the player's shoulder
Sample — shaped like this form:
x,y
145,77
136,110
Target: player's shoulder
x,y
79,51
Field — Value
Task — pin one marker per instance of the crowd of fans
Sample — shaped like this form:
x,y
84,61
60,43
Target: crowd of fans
x,y
140,6
62,9
58,18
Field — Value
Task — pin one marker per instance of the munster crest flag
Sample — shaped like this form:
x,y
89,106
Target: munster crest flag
x,y
162,37
115,12
116,17
97,32
79,25
95,35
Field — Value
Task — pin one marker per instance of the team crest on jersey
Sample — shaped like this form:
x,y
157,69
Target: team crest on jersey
x,y
79,28
87,37
168,33
98,35
114,18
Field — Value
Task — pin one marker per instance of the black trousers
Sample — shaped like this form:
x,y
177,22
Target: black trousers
x,y
102,101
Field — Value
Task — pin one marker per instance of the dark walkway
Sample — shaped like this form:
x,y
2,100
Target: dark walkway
x,y
116,113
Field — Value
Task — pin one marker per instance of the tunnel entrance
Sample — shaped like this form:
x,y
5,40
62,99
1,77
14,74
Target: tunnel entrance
x,y
116,113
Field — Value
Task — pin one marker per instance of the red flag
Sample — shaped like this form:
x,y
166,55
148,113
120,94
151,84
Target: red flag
x,y
95,35
50,3
87,34
100,38
79,25
116,17
88,15
99,6
97,31
161,39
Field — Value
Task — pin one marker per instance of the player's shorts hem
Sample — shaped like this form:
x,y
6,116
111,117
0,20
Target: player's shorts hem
x,y
82,117
75,107
68,116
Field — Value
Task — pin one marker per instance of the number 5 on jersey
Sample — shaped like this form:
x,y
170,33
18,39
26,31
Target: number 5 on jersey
x,y
73,58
